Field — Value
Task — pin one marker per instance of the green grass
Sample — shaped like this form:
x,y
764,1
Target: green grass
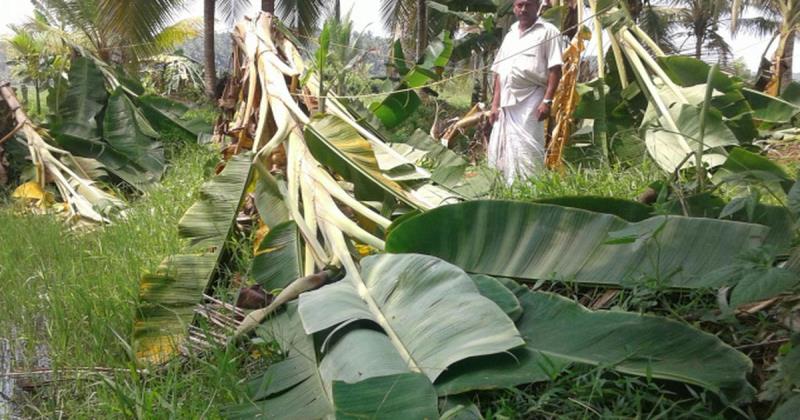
x,y
76,292
618,182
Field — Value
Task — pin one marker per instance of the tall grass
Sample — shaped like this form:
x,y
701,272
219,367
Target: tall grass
x,y
619,182
76,291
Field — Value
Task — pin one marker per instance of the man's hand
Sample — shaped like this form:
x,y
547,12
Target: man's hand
x,y
542,111
493,115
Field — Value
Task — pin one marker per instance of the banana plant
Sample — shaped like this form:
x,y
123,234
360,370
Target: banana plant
x,y
392,335
664,96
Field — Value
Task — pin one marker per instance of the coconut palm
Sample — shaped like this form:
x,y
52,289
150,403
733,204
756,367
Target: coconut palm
x,y
123,30
779,18
675,23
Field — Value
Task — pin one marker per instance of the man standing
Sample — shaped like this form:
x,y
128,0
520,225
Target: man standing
x,y
527,70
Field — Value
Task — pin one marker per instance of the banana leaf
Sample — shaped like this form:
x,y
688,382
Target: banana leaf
x,y
448,169
337,145
689,71
545,242
397,107
668,148
412,296
278,260
171,116
642,345
360,372
494,290
769,109
127,131
167,299
782,224
558,332
631,211
788,410
85,98
270,199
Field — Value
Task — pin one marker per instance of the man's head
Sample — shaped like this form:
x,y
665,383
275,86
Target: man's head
x,y
526,11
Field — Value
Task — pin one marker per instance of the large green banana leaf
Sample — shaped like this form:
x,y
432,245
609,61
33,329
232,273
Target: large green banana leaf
x,y
781,222
170,116
167,299
770,109
540,241
668,148
414,297
360,372
126,145
689,71
127,131
558,331
85,98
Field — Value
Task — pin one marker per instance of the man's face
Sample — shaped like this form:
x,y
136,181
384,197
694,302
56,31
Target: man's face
x,y
526,10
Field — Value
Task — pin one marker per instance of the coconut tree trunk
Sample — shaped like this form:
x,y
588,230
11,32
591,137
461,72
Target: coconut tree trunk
x,y
210,77
698,46
38,97
268,6
422,28
788,61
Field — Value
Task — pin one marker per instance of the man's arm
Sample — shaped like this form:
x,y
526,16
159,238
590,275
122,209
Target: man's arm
x,y
495,100
553,77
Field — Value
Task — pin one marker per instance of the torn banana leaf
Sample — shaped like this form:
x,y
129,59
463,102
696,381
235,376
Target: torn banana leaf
x,y
168,298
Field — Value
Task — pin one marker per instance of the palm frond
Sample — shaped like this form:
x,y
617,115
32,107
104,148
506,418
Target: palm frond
x,y
137,21
760,26
397,12
232,11
302,15
175,35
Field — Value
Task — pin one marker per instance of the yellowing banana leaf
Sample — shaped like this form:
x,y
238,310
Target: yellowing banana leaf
x,y
337,145
412,296
167,299
540,241
32,191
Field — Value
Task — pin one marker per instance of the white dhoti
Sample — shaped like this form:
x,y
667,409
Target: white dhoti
x,y
517,143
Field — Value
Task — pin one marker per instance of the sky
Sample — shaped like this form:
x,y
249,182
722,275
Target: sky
x,y
365,14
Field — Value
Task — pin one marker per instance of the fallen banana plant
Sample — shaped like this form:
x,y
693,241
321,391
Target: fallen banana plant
x,y
83,199
307,195
401,330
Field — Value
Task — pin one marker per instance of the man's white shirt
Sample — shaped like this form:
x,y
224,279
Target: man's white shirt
x,y
524,58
